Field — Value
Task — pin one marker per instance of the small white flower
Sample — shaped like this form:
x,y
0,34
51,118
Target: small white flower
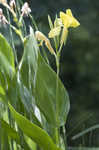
x,y
1,12
3,19
12,4
25,9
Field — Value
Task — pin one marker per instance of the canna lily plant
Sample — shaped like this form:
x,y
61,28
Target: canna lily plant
x,y
34,103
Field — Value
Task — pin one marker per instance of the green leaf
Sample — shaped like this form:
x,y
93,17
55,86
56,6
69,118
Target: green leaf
x,y
2,91
28,64
9,131
12,134
46,95
37,134
6,56
27,75
50,22
3,95
27,100
3,80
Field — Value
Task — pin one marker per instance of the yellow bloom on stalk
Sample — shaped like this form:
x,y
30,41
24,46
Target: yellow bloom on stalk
x,y
54,32
41,37
64,36
68,19
57,22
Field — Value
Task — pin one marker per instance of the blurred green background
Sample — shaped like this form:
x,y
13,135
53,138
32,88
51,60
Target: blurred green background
x,y
79,63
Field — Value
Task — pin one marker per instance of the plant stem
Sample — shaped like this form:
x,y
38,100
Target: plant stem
x,y
57,129
12,40
60,48
18,32
64,136
33,22
57,136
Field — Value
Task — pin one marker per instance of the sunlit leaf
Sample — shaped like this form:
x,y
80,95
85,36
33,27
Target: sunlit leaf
x,y
37,134
6,56
28,64
11,134
46,95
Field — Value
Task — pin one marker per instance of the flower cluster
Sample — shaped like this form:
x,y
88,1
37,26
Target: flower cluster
x,y
11,7
59,27
65,21
25,9
12,4
3,19
41,37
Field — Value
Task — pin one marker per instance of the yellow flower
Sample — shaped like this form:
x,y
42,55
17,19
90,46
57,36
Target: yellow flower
x,y
68,19
57,22
54,32
41,37
64,36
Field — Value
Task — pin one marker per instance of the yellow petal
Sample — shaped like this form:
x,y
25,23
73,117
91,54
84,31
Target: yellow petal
x,y
57,22
54,32
68,12
68,19
48,45
75,23
40,36
64,36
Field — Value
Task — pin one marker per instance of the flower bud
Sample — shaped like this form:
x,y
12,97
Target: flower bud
x,y
3,19
12,4
41,37
25,9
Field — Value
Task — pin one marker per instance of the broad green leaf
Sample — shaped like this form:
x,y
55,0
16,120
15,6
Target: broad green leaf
x,y
9,131
27,100
2,95
54,109
2,91
12,134
4,142
21,96
28,64
3,79
27,74
31,143
6,56
37,134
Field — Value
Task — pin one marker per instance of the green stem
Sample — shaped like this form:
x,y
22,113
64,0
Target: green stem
x,y
57,129
60,48
18,32
12,40
33,22
57,136
64,136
